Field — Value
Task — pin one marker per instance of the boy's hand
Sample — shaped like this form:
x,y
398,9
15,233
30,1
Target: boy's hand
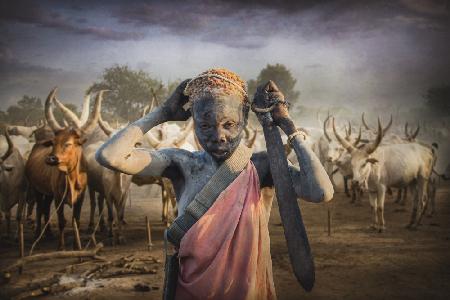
x,y
268,95
173,106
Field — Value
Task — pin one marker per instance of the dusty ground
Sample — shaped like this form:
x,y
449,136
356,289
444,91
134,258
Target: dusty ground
x,y
353,263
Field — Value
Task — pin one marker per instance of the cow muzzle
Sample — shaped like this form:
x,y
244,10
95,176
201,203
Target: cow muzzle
x,y
52,160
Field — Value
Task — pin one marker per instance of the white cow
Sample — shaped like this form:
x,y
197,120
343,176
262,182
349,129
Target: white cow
x,y
378,167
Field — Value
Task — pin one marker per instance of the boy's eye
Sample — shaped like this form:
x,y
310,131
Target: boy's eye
x,y
228,125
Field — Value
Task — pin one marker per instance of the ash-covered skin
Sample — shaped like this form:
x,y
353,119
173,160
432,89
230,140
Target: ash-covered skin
x,y
219,122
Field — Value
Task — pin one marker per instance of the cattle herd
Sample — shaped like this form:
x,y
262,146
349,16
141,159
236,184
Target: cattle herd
x,y
55,163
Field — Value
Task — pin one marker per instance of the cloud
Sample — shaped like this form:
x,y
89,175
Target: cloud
x,y
29,12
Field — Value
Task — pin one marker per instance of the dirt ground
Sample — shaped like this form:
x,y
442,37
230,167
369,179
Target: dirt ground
x,y
353,263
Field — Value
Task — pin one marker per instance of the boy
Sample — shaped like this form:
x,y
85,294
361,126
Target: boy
x,y
221,232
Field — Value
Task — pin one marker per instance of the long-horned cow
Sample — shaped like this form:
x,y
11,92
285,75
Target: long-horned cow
x,y
378,167
56,168
12,182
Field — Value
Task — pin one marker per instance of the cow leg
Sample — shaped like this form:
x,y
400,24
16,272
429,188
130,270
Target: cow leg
x,y
110,217
381,195
76,214
405,194
432,197
61,223
46,212
39,211
101,213
8,222
399,196
91,225
373,204
423,196
414,209
165,203
30,207
120,211
347,192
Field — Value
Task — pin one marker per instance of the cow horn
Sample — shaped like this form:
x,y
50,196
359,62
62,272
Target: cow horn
x,y
85,110
247,132
184,134
107,129
9,151
385,129
358,139
416,132
68,114
145,110
251,142
92,121
152,140
54,125
349,147
325,133
372,147
349,129
406,131
364,122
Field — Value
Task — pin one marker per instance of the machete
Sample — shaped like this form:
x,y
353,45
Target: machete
x,y
294,230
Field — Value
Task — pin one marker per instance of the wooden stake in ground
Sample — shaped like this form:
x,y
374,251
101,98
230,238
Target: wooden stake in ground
x,y
149,234
21,240
76,234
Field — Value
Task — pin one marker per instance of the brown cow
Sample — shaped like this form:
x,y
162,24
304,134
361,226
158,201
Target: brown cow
x,y
56,167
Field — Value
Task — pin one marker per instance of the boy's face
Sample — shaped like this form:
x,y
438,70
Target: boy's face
x,y
219,122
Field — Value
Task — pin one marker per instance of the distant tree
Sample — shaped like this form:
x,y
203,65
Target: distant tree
x,y
28,111
282,76
130,91
438,99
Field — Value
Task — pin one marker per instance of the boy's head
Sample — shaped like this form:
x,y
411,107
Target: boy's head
x,y
219,105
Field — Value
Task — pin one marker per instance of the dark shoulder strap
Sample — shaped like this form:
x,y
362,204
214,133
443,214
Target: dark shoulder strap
x,y
224,176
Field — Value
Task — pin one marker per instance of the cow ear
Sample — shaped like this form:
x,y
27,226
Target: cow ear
x,y
81,140
372,160
8,168
47,143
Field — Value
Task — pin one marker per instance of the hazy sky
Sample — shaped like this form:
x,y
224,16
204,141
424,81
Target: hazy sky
x,y
341,52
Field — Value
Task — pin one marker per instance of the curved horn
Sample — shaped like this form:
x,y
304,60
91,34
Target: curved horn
x,y
54,125
364,122
251,142
414,135
385,129
152,140
85,110
9,151
406,131
349,147
92,121
107,129
184,134
358,139
325,133
372,147
145,110
69,115
349,129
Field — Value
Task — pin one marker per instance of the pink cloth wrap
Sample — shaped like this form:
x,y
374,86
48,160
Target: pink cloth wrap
x,y
226,254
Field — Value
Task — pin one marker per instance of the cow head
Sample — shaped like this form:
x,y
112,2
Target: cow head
x,y
410,136
67,141
4,166
360,157
335,150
